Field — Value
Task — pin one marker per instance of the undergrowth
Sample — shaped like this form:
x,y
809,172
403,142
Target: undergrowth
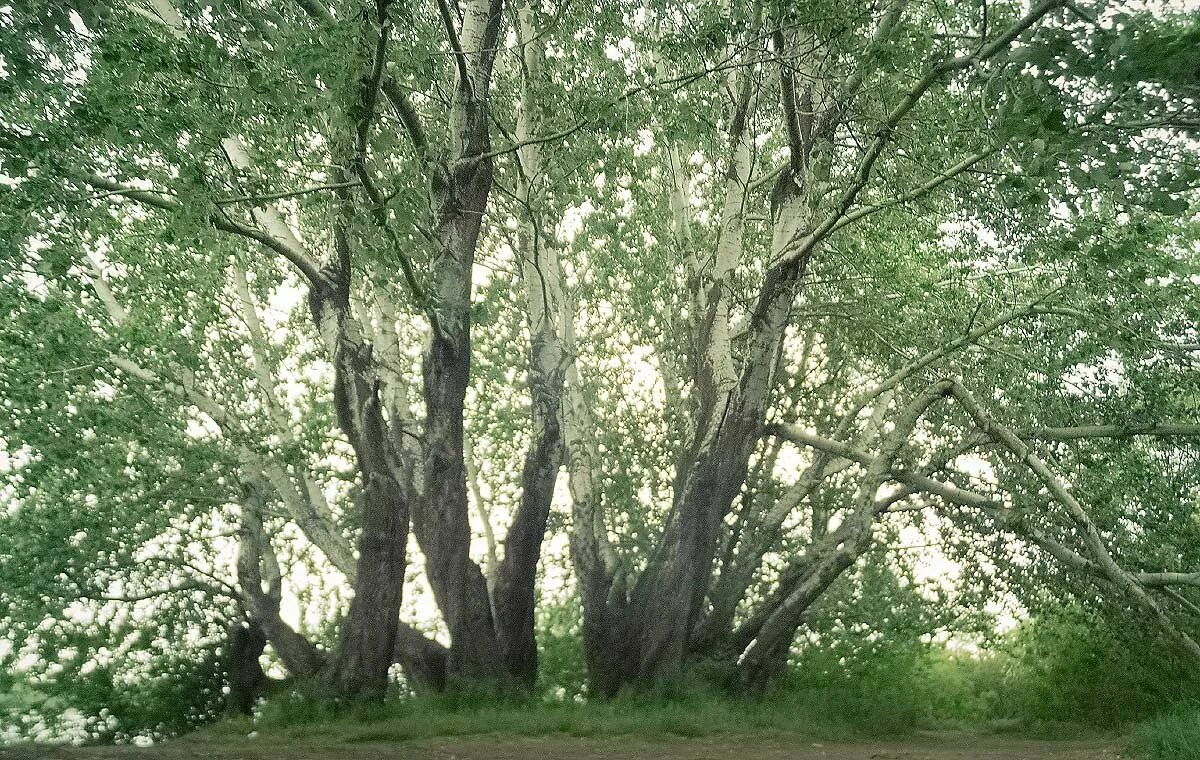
x,y
1172,735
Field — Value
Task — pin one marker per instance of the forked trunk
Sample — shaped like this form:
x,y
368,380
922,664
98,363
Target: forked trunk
x,y
367,638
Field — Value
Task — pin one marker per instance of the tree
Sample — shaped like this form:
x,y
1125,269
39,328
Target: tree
x,y
877,82
819,296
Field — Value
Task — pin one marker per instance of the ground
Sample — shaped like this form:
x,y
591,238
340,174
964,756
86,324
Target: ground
x,y
942,746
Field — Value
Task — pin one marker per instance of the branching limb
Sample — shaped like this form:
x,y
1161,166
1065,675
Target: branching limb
x,y
297,256
806,239
1097,550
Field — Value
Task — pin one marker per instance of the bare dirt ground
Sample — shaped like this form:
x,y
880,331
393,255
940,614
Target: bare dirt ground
x,y
948,746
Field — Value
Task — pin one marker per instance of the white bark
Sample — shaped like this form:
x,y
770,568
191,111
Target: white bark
x,y
485,515
551,312
267,216
306,504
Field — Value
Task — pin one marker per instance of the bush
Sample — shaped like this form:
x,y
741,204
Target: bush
x,y
1091,670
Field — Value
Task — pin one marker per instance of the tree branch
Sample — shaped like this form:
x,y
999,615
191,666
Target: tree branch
x,y
159,200
460,56
800,245
257,199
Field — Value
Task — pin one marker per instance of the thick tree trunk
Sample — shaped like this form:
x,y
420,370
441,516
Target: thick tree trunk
x,y
709,479
443,525
366,641
444,529
516,579
513,596
727,415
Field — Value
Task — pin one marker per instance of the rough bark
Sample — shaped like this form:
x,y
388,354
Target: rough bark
x,y
458,194
710,477
807,206
728,410
423,659
359,667
366,640
514,593
246,677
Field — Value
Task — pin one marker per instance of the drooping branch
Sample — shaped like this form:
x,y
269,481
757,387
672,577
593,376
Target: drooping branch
x,y
306,505
917,193
1096,560
282,195
407,112
1097,550
278,237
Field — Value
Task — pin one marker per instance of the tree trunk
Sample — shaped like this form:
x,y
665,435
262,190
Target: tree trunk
x,y
709,478
423,659
443,528
246,677
516,580
367,638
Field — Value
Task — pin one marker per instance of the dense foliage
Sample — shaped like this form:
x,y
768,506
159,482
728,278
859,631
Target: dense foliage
x,y
524,347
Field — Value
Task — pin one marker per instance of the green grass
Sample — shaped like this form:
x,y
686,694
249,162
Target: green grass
x,y
824,701
1060,679
1172,735
828,715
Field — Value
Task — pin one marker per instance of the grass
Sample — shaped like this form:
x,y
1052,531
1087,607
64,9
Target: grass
x,y
953,694
1172,735
1056,685
937,691
825,715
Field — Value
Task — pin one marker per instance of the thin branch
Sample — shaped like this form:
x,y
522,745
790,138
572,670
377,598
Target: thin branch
x,y
460,56
259,199
1081,432
408,114
917,193
191,585
157,199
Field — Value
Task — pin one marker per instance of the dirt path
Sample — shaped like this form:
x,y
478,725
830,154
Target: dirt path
x,y
930,747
